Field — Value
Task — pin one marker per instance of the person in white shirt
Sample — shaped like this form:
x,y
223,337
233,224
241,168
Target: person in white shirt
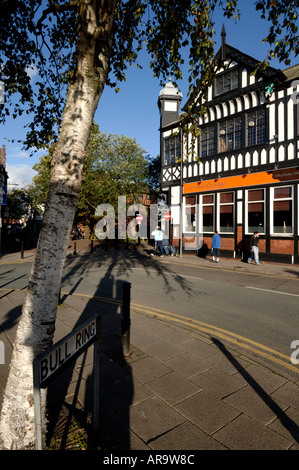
x,y
157,233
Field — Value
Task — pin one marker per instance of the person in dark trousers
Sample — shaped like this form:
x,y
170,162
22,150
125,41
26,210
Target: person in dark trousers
x,y
165,243
216,245
158,241
254,242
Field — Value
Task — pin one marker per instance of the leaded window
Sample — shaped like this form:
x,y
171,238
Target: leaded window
x,y
172,150
230,135
256,128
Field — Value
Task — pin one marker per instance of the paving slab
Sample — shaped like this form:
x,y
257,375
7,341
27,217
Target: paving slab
x,y
218,383
152,418
256,404
244,433
186,436
173,388
207,412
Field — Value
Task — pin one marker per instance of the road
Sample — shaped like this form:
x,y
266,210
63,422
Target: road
x,y
256,308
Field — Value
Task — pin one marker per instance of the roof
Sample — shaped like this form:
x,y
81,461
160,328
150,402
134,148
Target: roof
x,y
170,90
292,72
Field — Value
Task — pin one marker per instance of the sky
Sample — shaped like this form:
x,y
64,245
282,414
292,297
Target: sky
x,y
133,111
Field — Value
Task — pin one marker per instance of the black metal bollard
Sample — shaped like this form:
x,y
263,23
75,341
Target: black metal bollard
x,y
22,250
126,320
91,246
75,248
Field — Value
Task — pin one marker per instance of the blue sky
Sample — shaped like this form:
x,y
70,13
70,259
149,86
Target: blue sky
x,y
133,111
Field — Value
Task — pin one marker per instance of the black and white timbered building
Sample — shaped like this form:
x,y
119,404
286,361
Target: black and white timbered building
x,y
243,172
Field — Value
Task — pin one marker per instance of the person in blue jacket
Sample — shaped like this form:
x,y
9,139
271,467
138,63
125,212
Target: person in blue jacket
x,y
216,245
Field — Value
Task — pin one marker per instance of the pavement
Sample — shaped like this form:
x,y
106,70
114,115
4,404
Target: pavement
x,y
179,388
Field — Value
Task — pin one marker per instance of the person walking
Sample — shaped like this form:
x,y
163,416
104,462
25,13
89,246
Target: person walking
x,y
216,245
165,243
157,233
254,248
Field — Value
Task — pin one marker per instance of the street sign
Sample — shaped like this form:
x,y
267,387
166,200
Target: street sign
x,y
167,216
139,218
62,352
48,364
3,195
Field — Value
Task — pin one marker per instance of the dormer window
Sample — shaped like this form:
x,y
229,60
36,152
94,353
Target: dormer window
x,y
227,82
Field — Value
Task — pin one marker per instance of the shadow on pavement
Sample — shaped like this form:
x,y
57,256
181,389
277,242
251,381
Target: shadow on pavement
x,y
71,395
288,423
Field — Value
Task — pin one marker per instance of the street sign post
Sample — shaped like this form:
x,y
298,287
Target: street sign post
x,y
167,216
48,364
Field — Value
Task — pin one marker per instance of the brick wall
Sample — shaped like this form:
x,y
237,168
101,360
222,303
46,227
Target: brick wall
x,y
282,247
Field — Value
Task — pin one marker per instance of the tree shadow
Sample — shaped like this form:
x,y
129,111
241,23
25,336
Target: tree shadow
x,y
286,422
71,394
124,261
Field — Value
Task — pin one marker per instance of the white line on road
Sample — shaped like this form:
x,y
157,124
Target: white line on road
x,y
272,291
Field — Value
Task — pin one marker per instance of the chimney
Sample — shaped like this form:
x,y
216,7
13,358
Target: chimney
x,y
3,159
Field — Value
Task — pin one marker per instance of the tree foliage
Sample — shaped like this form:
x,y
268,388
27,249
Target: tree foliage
x,y
114,166
43,35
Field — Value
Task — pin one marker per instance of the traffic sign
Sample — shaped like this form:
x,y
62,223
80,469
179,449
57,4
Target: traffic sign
x,y
139,218
167,216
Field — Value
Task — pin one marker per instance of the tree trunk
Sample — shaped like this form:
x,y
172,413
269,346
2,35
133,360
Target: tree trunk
x,y
37,324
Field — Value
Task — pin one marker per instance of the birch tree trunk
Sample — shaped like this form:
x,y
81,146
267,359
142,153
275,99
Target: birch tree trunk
x,y
37,324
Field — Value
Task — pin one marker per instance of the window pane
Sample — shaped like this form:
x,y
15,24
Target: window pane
x,y
256,195
226,221
172,150
207,141
190,200
190,219
208,199
208,221
282,216
282,192
226,197
256,217
255,207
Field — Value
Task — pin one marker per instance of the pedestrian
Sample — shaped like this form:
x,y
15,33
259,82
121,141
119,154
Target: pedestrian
x,y
254,248
216,245
165,243
157,233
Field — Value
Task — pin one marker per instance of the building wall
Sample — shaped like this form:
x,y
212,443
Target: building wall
x,y
268,165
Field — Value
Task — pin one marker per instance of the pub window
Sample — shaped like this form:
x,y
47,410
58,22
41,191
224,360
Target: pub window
x,y
282,210
256,128
226,212
227,82
255,211
207,205
190,214
172,150
207,141
230,135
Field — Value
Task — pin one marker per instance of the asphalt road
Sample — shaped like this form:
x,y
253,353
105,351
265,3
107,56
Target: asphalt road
x,y
260,308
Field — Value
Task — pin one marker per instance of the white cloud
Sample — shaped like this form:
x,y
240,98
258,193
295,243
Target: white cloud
x,y
19,176
31,71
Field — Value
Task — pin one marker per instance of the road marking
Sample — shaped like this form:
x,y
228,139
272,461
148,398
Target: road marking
x,y
272,291
221,333
229,336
